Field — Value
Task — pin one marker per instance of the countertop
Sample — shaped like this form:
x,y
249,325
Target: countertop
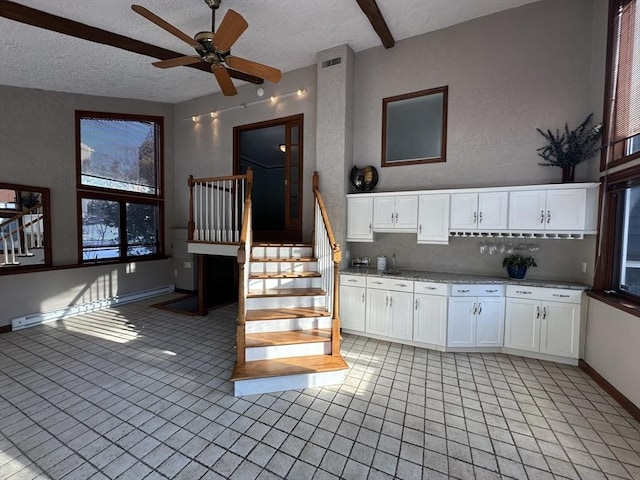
x,y
442,277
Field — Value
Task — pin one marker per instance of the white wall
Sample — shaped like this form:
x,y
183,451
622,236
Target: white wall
x,y
612,347
37,147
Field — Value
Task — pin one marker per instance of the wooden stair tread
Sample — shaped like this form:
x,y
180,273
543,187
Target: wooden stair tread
x,y
288,366
285,292
285,313
289,337
282,259
285,275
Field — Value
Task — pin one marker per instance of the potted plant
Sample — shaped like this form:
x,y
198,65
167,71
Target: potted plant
x,y
517,264
568,149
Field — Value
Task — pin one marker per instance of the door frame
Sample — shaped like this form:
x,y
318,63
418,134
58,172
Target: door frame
x,y
295,232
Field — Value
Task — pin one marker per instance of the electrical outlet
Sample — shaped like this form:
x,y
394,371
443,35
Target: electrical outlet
x,y
584,267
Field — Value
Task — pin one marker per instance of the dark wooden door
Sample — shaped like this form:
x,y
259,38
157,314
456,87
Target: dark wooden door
x,y
273,149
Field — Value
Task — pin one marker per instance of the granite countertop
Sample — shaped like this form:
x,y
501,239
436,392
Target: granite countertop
x,y
442,277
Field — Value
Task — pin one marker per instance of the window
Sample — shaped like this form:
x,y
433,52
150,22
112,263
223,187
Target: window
x,y
623,84
121,206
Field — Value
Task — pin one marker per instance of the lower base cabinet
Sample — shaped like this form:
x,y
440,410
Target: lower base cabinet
x,y
430,313
476,321
390,308
352,302
543,320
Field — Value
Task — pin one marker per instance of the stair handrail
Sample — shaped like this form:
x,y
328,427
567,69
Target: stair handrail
x,y
244,269
326,248
216,209
22,226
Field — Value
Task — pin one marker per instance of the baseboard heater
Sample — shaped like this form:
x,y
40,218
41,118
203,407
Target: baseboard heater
x,y
44,317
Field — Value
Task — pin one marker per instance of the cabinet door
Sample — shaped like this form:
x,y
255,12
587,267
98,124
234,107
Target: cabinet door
x,y
377,312
384,210
527,210
461,328
490,322
359,219
401,315
560,329
566,209
352,307
522,324
430,319
433,218
406,213
492,210
464,211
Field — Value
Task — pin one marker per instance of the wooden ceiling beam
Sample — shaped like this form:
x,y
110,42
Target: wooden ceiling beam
x,y
371,10
37,18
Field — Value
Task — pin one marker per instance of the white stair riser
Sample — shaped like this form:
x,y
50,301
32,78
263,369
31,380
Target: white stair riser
x,y
268,283
287,351
260,326
284,301
288,382
283,267
281,252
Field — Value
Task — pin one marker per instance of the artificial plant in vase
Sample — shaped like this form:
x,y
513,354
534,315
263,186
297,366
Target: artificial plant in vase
x,y
517,264
568,149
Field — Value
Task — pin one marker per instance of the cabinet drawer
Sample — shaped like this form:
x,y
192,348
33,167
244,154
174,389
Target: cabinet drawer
x,y
477,290
546,294
431,288
353,280
395,284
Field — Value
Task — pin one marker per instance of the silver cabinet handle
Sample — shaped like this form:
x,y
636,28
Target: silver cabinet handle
x,y
537,312
400,284
352,280
416,304
386,301
561,295
492,291
544,313
475,308
431,288
479,308
475,217
390,302
369,228
396,217
548,216
480,217
392,217
420,229
362,297
524,292
377,282
463,291
541,216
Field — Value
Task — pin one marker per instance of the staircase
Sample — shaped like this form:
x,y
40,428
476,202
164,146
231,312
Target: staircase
x,y
288,328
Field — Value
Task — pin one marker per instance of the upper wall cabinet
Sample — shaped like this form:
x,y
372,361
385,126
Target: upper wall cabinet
x,y
570,209
433,218
479,211
397,213
359,218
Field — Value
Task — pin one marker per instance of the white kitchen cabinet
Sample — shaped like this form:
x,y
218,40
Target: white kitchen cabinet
x,y
359,218
430,313
395,213
479,211
389,309
474,320
433,218
352,302
543,320
557,209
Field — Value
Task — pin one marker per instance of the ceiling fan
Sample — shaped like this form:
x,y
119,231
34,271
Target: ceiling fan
x,y
214,47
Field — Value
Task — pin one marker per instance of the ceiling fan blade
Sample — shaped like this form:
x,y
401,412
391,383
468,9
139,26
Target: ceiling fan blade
x,y
254,68
177,62
224,79
152,17
230,29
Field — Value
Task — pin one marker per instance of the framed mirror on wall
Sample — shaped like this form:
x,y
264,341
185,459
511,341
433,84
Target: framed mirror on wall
x,y
25,228
414,128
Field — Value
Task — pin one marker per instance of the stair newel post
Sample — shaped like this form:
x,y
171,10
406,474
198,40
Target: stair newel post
x,y
191,224
316,188
335,320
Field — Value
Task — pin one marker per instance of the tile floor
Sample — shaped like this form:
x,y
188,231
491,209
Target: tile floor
x,y
137,392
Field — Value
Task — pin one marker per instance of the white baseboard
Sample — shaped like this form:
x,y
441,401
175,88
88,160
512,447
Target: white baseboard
x,y
72,310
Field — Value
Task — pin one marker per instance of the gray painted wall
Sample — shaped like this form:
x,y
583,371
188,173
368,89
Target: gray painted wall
x,y
37,147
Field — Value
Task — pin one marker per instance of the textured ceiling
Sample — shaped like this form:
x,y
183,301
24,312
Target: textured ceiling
x,y
286,34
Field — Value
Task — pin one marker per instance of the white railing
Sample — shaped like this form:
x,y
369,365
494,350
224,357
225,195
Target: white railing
x,y
216,207
323,251
20,233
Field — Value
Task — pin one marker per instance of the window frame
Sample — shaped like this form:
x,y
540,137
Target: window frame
x,y
92,192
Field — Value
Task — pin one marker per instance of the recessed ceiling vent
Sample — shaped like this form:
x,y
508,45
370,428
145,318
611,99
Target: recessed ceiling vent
x,y
332,62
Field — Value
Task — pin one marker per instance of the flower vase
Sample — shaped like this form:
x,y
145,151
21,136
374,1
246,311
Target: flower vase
x,y
516,272
568,174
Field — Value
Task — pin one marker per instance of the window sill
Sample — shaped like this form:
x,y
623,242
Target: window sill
x,y
43,268
616,301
